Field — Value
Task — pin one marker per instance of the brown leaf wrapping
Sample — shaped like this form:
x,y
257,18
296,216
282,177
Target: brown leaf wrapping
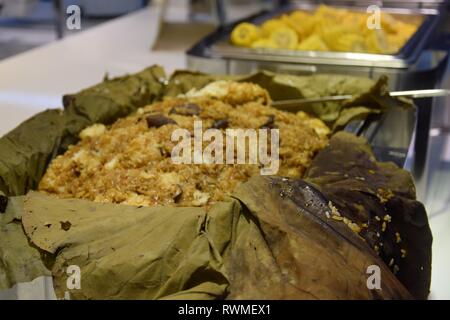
x,y
367,191
19,262
265,243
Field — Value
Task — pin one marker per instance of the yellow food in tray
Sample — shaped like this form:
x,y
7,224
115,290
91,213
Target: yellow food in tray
x,y
245,35
326,29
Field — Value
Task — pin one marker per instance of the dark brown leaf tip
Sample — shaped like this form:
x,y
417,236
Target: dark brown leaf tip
x,y
178,194
3,203
65,225
158,120
270,123
164,152
188,109
68,99
221,124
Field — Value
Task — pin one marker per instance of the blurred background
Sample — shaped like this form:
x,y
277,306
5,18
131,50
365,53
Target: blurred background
x,y
26,24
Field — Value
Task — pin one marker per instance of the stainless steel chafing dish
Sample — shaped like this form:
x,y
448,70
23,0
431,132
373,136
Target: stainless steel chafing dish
x,y
215,53
426,18
398,133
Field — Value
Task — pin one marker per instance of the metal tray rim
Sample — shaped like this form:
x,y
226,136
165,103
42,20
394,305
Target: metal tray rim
x,y
210,46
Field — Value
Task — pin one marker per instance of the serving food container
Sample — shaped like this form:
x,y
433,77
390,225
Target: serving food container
x,y
216,54
51,132
415,66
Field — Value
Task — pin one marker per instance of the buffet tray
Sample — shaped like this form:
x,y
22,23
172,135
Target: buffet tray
x,y
217,44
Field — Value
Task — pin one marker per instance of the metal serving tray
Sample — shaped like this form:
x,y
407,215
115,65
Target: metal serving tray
x,y
217,44
398,135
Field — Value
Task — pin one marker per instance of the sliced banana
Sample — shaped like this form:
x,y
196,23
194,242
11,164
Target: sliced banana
x,y
264,43
284,38
245,34
313,43
326,29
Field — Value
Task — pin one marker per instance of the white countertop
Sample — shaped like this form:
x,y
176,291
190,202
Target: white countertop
x,y
37,79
